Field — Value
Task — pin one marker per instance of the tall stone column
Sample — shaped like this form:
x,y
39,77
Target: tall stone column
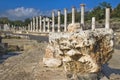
x,y
24,28
59,21
73,15
44,24
48,25
31,26
93,23
37,24
33,23
40,23
53,21
107,21
28,27
65,20
82,13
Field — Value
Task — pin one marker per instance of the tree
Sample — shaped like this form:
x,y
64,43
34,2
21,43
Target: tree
x,y
104,5
4,20
17,23
99,11
116,11
26,22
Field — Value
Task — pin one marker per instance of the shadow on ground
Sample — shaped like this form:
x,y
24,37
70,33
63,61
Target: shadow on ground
x,y
107,71
8,55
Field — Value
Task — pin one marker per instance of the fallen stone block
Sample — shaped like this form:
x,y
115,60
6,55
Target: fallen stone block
x,y
52,62
90,49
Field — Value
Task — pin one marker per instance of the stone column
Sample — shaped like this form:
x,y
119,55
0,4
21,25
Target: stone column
x,y
93,23
25,28
73,15
107,21
65,20
37,24
33,24
53,21
82,13
28,27
48,25
40,23
44,24
59,21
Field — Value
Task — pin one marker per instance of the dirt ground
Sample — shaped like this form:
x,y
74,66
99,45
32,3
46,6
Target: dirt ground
x,y
27,64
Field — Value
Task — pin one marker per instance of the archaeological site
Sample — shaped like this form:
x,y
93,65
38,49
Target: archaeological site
x,y
62,46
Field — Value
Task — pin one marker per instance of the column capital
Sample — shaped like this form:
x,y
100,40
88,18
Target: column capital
x,y
82,4
73,6
65,9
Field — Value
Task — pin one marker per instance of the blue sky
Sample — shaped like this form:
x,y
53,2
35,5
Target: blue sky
x,y
21,9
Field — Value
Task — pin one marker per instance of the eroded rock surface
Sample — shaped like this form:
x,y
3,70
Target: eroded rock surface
x,y
74,27
81,52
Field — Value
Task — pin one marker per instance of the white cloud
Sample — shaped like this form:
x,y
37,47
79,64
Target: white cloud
x,y
21,13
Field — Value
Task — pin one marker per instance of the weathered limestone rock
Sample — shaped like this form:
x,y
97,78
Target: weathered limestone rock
x,y
73,27
49,58
88,49
52,62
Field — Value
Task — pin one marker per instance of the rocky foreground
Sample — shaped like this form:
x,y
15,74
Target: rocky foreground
x,y
28,65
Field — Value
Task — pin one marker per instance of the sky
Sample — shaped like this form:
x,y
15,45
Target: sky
x,y
22,9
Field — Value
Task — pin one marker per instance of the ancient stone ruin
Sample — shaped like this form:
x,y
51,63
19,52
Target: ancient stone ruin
x,y
81,52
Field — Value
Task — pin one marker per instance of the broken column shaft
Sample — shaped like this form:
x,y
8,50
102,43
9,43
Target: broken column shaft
x,y
107,21
65,20
82,13
53,21
73,15
93,23
59,21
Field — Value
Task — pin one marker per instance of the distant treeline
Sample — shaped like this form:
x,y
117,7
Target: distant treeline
x,y
98,12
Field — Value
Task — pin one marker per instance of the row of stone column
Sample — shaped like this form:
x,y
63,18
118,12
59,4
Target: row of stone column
x,y
38,24
33,26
